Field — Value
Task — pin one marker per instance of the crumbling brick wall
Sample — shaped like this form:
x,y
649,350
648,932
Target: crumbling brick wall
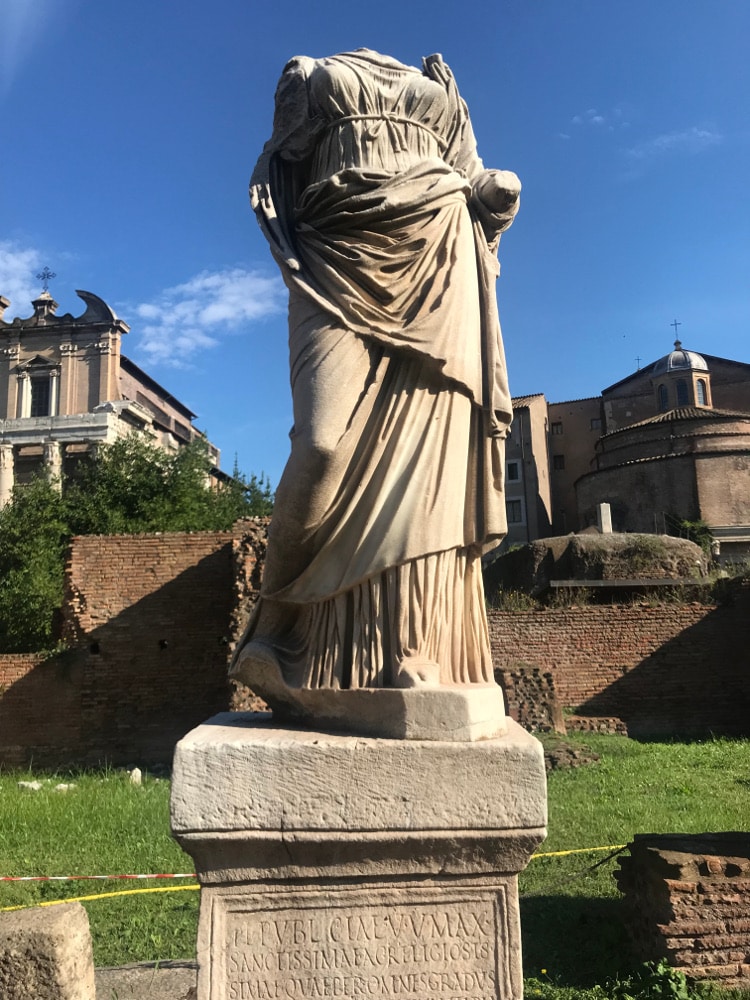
x,y
687,899
39,708
150,621
149,616
530,698
671,669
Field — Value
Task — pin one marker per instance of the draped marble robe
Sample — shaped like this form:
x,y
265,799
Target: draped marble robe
x,y
370,194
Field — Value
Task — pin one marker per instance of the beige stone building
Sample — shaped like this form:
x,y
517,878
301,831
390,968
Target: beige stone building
x,y
527,472
670,442
65,388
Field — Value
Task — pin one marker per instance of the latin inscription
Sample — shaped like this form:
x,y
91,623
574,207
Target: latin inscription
x,y
420,951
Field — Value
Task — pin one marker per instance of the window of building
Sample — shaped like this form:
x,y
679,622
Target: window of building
x,y
596,423
683,398
513,473
182,430
700,389
556,427
558,462
514,511
663,399
40,397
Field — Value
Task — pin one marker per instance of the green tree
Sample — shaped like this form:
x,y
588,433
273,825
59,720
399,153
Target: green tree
x,y
131,487
33,541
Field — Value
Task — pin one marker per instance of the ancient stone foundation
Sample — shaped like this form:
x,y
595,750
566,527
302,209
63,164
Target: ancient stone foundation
x,y
45,954
687,899
346,866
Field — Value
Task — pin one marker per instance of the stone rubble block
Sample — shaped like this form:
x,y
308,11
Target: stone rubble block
x,y
46,954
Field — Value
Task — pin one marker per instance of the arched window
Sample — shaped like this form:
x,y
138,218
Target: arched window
x,y
700,389
663,399
683,398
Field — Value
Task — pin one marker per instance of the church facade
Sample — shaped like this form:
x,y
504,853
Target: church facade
x,y
66,388
669,443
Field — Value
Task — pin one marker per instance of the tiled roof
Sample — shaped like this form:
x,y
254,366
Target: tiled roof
x,y
520,401
685,413
581,399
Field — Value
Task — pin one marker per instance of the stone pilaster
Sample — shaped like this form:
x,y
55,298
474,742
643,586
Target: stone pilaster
x,y
7,473
53,462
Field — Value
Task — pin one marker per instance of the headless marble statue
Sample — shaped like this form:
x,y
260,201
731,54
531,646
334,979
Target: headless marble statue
x,y
385,225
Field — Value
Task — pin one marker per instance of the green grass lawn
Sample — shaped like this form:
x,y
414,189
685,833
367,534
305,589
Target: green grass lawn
x,y
572,925
571,917
104,825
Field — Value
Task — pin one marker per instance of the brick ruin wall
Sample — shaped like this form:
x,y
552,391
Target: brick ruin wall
x,y
664,670
687,899
150,622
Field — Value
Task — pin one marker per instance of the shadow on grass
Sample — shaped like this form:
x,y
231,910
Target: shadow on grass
x,y
578,940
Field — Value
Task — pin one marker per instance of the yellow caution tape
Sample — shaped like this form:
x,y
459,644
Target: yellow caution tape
x,y
101,895
180,888
578,850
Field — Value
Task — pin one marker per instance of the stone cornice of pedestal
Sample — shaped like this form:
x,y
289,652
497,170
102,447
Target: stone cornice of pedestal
x,y
258,801
230,857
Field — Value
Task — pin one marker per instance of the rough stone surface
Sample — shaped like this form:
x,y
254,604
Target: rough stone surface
x,y
171,980
531,697
241,772
348,866
687,899
532,567
45,954
559,756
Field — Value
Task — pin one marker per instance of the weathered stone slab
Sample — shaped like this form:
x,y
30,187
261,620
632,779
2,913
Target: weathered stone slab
x,y
241,771
464,712
45,954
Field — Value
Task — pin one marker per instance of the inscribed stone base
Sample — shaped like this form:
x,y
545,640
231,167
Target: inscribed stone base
x,y
351,867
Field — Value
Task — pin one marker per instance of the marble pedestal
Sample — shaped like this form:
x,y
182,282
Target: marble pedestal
x,y
352,867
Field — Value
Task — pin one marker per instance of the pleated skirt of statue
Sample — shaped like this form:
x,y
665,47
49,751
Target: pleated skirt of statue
x,y
374,553
430,608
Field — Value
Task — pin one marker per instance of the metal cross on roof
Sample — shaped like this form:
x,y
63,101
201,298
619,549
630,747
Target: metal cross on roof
x,y
44,276
675,324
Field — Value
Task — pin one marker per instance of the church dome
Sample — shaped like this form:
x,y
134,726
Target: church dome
x,y
680,360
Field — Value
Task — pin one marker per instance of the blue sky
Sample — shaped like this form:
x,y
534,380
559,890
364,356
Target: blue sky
x,y
130,131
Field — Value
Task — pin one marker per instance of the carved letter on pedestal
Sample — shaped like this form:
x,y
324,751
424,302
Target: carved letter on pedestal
x,y
428,944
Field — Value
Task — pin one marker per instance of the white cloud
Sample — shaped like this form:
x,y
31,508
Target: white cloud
x,y
193,316
613,119
24,25
690,141
589,117
19,266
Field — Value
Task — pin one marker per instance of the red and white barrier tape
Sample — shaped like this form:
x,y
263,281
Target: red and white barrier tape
x,y
72,878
